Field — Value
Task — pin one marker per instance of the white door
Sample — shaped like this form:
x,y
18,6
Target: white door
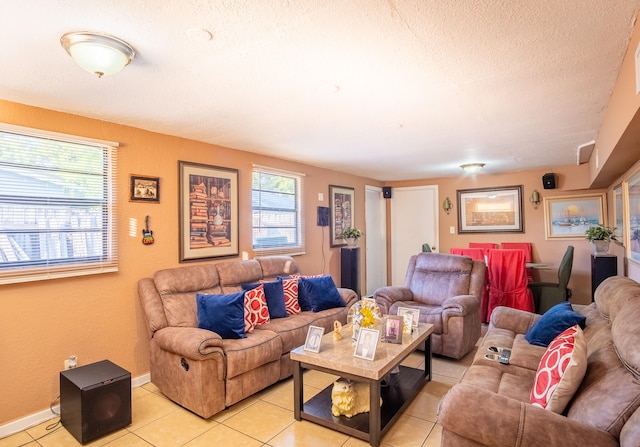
x,y
414,221
376,236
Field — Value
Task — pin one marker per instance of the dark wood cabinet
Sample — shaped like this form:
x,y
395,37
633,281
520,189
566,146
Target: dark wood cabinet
x,y
602,267
350,268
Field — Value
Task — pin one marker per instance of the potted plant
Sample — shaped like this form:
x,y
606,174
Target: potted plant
x,y
600,237
351,235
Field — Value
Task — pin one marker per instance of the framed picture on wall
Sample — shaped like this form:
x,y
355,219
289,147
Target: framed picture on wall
x,y
568,217
342,201
633,195
490,210
618,212
144,189
208,224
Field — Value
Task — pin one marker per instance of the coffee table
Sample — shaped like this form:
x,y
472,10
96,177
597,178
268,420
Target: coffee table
x,y
336,357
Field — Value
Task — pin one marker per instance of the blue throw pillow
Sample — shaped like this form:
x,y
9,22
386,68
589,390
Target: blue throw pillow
x,y
222,314
318,293
274,293
554,321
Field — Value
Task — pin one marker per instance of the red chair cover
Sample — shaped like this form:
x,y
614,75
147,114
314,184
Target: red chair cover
x,y
508,281
477,254
528,256
485,246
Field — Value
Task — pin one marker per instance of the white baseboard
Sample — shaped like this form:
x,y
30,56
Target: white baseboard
x,y
37,418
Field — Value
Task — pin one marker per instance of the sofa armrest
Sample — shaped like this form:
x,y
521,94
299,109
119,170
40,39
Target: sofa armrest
x,y
515,320
190,342
458,306
349,296
505,422
386,296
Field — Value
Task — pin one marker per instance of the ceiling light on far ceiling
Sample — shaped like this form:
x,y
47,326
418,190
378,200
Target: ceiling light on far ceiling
x,y
472,168
97,53
199,34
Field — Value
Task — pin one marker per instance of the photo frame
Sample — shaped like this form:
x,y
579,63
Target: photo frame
x,y
633,216
490,210
618,213
367,344
314,339
568,217
393,329
208,197
144,189
415,315
342,204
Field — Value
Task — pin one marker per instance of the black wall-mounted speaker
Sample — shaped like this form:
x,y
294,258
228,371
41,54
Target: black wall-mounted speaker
x,y
549,181
386,192
323,216
95,400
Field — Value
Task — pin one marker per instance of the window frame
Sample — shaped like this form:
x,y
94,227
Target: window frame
x,y
288,249
53,267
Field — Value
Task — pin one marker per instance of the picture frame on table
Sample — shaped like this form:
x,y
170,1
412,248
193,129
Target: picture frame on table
x,y
490,210
568,217
367,344
342,205
314,338
393,329
144,189
208,202
414,313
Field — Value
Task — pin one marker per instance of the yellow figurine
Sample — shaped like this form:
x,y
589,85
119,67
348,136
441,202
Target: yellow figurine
x,y
337,331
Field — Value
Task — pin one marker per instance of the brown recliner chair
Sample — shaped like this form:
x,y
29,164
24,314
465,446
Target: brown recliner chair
x,y
447,290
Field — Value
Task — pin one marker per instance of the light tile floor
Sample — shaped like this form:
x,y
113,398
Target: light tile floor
x,y
263,420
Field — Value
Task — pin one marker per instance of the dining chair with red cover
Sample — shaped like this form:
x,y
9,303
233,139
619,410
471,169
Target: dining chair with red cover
x,y
508,281
477,254
528,254
485,246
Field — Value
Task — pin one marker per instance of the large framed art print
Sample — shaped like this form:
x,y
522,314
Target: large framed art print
x,y
342,206
208,211
568,217
490,210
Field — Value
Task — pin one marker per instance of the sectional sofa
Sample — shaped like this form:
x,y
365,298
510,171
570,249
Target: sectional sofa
x,y
198,368
491,406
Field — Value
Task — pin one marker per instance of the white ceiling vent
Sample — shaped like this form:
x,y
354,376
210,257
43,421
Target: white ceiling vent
x,y
584,151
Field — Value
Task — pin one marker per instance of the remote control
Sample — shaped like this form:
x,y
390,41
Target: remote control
x,y
504,356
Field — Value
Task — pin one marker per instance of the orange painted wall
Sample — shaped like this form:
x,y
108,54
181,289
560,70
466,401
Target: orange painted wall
x,y
98,317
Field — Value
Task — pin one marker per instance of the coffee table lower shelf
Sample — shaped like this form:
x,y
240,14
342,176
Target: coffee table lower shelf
x,y
401,389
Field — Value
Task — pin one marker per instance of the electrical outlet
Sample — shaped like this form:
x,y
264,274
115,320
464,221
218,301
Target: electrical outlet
x,y
452,230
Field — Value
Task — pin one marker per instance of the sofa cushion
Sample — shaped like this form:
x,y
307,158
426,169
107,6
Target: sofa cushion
x,y
561,370
290,287
318,293
554,321
255,306
259,348
222,314
274,293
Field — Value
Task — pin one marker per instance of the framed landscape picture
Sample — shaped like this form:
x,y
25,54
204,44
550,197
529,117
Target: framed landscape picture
x,y
568,217
342,204
208,211
490,210
633,187
144,189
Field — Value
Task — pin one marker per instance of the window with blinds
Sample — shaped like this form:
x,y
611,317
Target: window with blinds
x,y
276,201
57,205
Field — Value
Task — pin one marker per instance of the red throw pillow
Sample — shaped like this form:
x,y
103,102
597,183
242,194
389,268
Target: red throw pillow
x,y
255,306
561,370
290,287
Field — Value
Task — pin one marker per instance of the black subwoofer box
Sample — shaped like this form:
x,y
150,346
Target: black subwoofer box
x,y
95,400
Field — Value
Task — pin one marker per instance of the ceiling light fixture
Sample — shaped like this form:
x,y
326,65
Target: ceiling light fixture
x,y
97,53
472,168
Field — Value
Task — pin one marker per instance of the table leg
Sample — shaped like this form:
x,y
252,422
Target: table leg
x,y
427,357
297,391
374,413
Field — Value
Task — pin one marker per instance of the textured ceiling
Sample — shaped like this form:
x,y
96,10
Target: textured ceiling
x,y
387,89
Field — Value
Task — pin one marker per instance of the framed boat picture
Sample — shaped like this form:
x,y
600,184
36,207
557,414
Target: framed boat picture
x,y
568,217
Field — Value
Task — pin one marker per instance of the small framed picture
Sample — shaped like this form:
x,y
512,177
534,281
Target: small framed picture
x,y
314,336
367,343
393,329
415,315
145,189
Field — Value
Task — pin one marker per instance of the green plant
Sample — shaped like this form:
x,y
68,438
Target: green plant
x,y
600,233
352,233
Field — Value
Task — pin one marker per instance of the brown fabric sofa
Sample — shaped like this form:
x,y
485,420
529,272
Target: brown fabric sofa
x,y
447,290
198,369
490,406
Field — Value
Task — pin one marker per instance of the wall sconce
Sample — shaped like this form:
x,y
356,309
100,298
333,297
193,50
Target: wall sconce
x,y
472,168
97,53
535,199
447,205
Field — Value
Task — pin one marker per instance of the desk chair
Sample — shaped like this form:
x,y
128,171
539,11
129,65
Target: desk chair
x,y
547,294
